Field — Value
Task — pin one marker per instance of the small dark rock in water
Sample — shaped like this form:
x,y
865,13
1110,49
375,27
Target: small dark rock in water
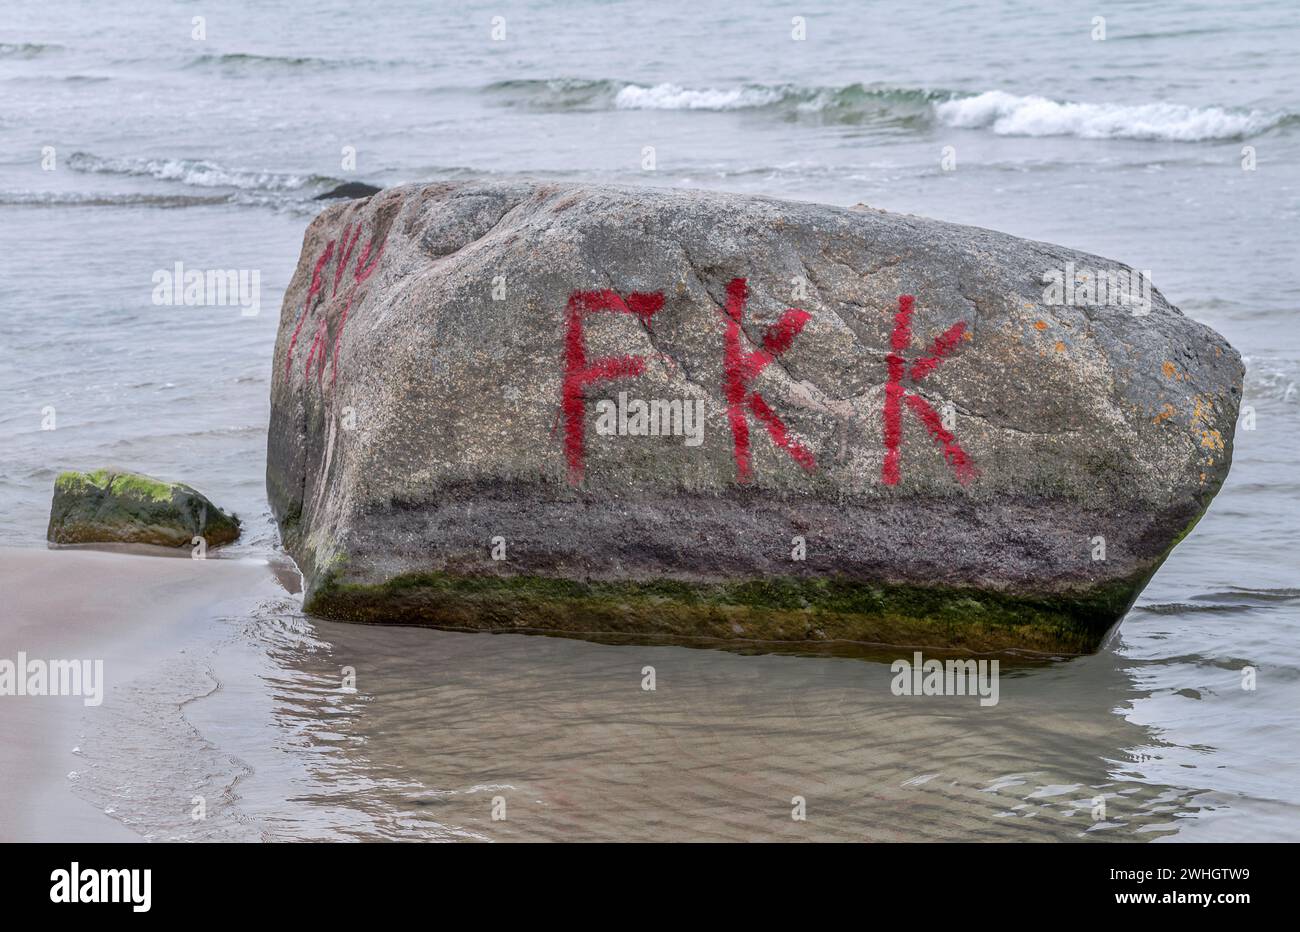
x,y
107,506
351,189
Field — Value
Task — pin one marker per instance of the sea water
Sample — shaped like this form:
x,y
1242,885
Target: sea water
x,y
135,139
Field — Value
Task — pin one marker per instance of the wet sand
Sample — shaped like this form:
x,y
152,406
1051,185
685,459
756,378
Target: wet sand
x,y
220,689
129,610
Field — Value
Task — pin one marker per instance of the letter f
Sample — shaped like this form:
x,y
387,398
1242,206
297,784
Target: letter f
x,y
579,372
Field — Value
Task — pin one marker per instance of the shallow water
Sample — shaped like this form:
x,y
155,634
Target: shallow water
x,y
208,152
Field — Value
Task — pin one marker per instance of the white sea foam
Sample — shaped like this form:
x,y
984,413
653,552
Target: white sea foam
x,y
1003,113
198,172
673,97
1012,115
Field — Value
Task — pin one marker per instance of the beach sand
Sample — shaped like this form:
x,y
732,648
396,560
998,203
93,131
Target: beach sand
x,y
128,610
219,689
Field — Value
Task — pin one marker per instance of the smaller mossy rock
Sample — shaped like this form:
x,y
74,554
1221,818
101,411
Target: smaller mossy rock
x,y
108,506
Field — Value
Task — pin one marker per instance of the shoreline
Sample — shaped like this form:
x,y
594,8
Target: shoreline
x,y
129,611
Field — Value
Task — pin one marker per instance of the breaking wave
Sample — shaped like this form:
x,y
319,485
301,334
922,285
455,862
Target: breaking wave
x,y
1011,115
27,49
236,61
198,172
847,102
1002,113
51,199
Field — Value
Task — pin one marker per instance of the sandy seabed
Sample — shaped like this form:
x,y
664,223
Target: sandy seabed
x,y
127,610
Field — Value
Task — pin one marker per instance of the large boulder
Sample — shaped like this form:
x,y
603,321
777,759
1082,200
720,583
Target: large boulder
x,y
860,425
112,506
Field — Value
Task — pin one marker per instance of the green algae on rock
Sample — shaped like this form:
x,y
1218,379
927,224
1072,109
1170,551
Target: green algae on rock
x,y
784,610
112,506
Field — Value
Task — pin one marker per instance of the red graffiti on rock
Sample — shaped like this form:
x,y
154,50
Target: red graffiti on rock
x,y
742,366
580,373
365,267
895,395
